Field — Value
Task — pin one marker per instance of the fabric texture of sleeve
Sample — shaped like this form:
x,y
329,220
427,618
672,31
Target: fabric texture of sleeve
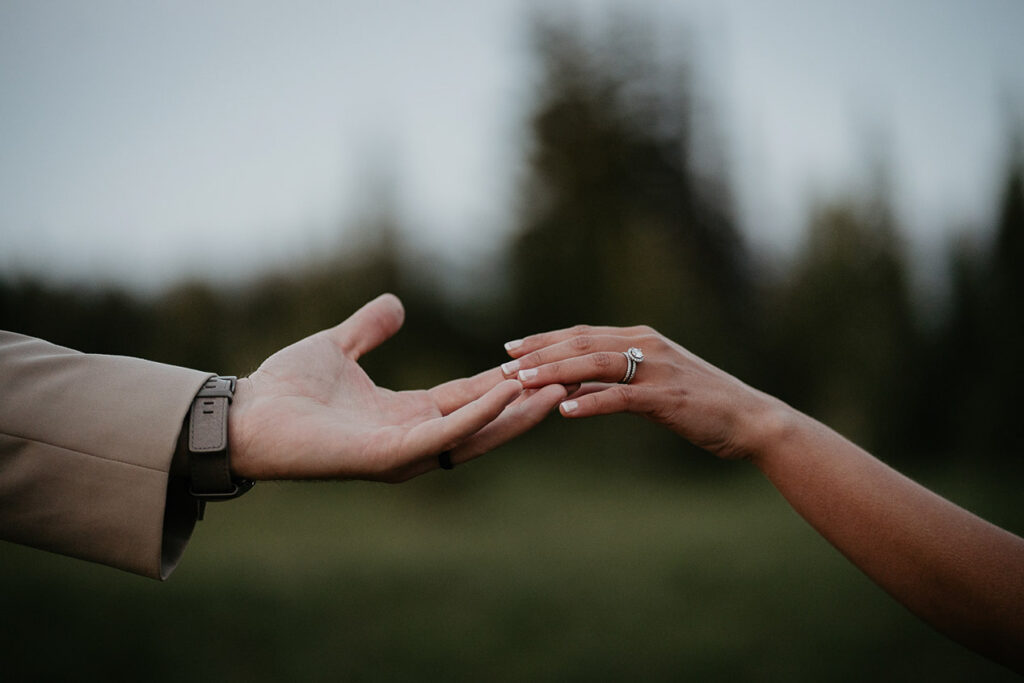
x,y
86,447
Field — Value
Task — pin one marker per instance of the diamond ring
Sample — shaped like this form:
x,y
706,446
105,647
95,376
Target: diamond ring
x,y
634,357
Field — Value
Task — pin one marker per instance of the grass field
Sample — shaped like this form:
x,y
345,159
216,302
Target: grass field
x,y
519,567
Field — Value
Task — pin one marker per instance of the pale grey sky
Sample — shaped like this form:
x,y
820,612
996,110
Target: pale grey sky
x,y
142,141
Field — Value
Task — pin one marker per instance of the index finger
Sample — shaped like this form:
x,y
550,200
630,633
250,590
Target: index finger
x,y
456,393
520,347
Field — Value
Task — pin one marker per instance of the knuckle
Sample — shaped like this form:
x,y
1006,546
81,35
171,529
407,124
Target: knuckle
x,y
653,343
580,329
625,393
536,341
531,360
582,342
604,360
665,414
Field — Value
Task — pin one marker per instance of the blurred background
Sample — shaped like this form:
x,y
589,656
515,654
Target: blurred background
x,y
826,199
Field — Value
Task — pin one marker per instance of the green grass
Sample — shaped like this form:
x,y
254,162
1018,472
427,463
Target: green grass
x,y
520,567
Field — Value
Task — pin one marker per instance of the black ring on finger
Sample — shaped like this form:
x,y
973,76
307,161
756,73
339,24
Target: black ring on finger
x,y
445,460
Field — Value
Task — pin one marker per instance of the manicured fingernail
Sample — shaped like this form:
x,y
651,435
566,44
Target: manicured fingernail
x,y
514,344
569,406
510,367
525,375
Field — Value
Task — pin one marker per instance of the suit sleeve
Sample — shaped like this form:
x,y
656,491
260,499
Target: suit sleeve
x,y
87,444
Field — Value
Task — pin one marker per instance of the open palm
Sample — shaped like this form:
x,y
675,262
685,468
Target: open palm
x,y
310,411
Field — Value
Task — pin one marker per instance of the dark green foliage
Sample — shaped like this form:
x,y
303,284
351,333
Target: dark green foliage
x,y
618,226
979,348
106,320
1007,311
843,326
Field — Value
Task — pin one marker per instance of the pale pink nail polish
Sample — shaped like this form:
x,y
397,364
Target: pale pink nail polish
x,y
514,344
569,406
525,375
510,367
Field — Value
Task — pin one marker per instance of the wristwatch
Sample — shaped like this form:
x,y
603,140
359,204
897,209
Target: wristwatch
x,y
208,459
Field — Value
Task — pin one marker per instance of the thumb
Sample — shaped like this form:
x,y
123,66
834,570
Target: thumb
x,y
370,326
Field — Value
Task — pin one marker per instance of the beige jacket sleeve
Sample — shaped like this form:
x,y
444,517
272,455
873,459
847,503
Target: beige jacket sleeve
x,y
86,447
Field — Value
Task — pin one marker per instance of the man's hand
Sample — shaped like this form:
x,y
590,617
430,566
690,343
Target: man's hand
x,y
310,411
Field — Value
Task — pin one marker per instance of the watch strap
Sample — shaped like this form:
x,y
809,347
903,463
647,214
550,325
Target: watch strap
x,y
209,462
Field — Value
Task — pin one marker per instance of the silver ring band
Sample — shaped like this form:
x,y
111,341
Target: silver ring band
x,y
634,357
630,369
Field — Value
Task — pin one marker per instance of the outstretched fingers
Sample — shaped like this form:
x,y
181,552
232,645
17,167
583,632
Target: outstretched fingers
x,y
444,433
456,393
518,417
598,375
518,348
605,354
602,366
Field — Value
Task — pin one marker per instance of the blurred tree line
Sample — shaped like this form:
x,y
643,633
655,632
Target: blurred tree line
x,y
621,221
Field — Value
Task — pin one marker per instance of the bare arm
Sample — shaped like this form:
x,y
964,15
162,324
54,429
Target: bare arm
x,y
959,573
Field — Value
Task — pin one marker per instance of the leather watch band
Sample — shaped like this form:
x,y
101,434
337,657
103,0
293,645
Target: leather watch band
x,y
209,463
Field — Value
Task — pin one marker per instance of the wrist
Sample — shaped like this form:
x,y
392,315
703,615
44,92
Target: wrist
x,y
768,425
238,431
211,476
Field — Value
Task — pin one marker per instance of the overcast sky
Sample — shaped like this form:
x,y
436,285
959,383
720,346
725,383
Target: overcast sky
x,y
140,141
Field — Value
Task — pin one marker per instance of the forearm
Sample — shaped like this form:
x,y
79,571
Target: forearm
x,y
956,571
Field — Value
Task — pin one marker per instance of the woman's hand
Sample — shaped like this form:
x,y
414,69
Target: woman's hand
x,y
956,571
671,386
